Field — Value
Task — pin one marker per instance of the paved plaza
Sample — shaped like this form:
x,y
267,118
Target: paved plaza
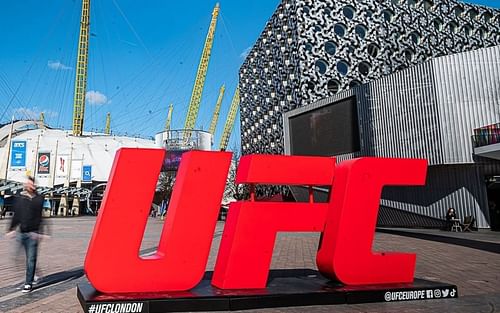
x,y
476,271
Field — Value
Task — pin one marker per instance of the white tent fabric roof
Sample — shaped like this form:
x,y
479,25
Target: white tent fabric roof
x,y
96,150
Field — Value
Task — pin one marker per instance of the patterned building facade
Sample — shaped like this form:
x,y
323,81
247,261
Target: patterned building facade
x,y
433,117
312,49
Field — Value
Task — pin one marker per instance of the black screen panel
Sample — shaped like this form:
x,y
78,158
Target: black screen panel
x,y
327,131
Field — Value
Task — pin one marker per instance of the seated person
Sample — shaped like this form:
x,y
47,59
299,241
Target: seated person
x,y
450,216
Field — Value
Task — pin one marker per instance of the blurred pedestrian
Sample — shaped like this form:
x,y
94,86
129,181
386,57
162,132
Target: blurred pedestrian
x,y
2,208
28,207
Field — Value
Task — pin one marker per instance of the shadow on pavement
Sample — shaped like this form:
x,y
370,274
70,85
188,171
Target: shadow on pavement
x,y
58,277
469,243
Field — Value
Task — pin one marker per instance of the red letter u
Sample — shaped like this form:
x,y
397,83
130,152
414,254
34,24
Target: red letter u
x,y
113,264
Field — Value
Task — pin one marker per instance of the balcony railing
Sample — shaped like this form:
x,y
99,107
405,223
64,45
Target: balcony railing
x,y
178,140
486,135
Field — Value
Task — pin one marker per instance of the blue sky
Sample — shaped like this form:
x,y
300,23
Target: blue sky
x,y
143,56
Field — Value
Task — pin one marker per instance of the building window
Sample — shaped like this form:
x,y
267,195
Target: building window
x,y
354,83
467,29
409,54
361,31
333,86
343,67
458,10
373,50
438,24
349,12
481,33
487,17
473,14
330,47
321,66
415,37
388,15
340,29
452,27
428,5
364,68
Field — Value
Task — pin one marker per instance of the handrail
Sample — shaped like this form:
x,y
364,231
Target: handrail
x,y
486,135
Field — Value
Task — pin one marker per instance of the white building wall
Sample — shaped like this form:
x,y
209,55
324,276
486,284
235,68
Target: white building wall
x,y
96,150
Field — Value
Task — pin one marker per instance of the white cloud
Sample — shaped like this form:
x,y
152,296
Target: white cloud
x,y
96,98
33,113
245,52
57,65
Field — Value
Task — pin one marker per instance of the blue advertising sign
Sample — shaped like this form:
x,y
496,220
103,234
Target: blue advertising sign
x,y
87,173
18,154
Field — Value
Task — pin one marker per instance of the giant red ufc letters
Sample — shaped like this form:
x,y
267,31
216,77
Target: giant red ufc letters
x,y
347,222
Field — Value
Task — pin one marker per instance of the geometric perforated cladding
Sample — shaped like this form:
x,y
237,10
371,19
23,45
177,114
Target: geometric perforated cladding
x,y
312,49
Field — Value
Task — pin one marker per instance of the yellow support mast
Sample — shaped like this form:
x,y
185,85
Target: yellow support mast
x,y
81,70
169,117
42,118
228,128
107,130
215,118
194,104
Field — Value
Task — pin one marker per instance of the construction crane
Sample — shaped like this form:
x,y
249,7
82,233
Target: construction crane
x,y
194,104
228,128
215,118
169,117
81,70
107,130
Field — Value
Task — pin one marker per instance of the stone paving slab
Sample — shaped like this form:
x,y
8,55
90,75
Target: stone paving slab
x,y
475,272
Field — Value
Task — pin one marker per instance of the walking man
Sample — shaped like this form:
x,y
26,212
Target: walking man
x,y
28,216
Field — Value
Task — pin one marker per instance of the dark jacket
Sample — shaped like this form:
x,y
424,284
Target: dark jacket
x,y
450,216
27,213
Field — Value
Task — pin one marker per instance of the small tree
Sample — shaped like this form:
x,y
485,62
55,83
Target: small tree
x,y
233,191
164,187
